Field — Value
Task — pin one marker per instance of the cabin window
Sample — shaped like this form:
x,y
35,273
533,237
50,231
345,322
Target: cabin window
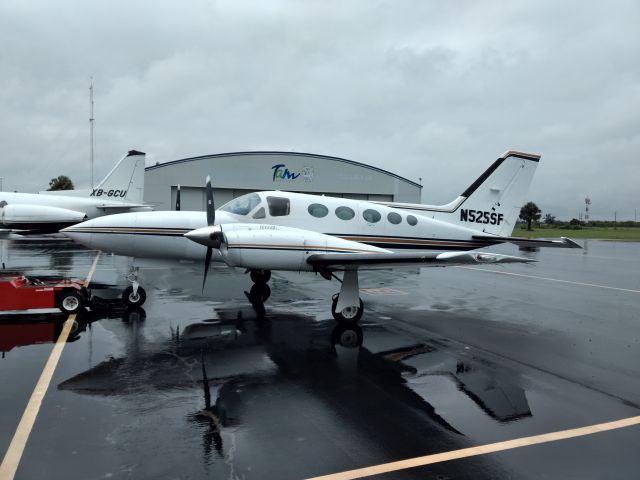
x,y
394,218
345,213
260,213
242,205
278,206
317,210
411,220
371,216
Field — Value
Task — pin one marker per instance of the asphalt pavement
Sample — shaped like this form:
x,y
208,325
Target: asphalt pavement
x,y
215,383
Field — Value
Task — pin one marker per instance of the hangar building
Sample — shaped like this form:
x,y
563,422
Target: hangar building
x,y
234,174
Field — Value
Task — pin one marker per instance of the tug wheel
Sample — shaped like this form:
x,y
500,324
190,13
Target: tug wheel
x,y
70,302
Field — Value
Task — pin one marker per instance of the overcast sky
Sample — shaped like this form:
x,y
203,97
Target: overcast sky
x,y
426,89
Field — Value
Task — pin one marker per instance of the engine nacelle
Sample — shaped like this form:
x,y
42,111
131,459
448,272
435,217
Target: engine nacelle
x,y
271,247
36,216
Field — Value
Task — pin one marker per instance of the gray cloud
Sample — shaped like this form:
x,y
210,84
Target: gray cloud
x,y
435,89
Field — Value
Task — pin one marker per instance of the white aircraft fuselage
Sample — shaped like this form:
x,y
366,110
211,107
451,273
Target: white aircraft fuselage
x,y
261,240
92,207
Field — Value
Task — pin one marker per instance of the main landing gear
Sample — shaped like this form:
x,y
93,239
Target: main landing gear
x,y
347,307
260,291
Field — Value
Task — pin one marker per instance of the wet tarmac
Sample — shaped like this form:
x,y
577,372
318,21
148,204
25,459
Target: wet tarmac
x,y
203,385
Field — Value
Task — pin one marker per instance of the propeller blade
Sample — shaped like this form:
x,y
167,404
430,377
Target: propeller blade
x,y
207,261
211,209
178,199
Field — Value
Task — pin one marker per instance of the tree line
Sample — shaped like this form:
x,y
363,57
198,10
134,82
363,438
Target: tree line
x,y
530,214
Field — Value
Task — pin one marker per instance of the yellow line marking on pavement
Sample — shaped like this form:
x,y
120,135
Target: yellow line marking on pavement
x,y
552,279
480,450
92,270
14,453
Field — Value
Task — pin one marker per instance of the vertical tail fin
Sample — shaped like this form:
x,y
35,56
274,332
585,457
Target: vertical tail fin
x,y
125,181
492,203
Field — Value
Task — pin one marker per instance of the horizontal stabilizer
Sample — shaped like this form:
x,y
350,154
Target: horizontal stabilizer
x,y
564,242
365,261
123,206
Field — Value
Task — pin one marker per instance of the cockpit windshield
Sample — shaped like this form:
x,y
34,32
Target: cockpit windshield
x,y
242,205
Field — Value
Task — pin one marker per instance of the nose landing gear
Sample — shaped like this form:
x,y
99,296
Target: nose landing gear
x,y
134,295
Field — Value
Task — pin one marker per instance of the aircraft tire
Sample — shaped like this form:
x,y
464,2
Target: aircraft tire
x,y
348,315
260,276
260,292
347,336
134,300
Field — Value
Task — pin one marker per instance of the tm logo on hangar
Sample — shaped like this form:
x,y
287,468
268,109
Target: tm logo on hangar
x,y
282,174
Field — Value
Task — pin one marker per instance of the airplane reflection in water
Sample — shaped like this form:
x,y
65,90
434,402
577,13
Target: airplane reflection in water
x,y
251,371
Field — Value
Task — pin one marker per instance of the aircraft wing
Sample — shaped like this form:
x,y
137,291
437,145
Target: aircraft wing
x,y
365,261
564,242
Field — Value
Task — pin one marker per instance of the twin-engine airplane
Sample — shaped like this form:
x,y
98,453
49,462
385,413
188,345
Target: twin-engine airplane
x,y
276,230
120,191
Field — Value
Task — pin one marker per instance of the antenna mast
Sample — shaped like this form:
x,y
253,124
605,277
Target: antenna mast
x,y
91,120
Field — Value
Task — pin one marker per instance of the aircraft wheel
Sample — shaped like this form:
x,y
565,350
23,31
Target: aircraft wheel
x,y
260,276
70,302
260,292
347,315
133,300
348,336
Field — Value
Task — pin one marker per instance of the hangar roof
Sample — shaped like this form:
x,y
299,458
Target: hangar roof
x,y
271,152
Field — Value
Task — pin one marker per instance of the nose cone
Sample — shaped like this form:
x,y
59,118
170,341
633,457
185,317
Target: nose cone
x,y
99,233
80,232
204,236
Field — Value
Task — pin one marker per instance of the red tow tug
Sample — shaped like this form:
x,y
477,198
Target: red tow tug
x,y
19,293
26,294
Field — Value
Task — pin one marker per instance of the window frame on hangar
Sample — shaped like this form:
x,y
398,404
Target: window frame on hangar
x,y
237,173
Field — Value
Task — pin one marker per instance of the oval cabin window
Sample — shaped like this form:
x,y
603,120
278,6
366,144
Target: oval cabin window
x,y
317,210
345,213
394,218
371,216
411,220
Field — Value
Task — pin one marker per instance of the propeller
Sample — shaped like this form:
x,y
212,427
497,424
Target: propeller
x,y
211,218
211,236
178,199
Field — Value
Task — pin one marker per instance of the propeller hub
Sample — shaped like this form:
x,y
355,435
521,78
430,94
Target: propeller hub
x,y
216,239
207,236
